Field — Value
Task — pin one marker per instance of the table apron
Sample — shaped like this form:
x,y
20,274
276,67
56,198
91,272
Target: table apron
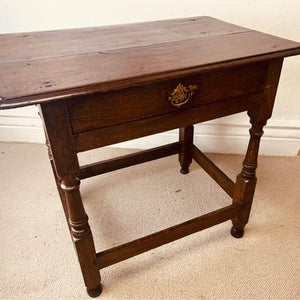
x,y
115,134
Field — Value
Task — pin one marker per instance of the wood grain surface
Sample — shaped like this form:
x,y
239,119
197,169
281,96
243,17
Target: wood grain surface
x,y
135,103
100,86
46,66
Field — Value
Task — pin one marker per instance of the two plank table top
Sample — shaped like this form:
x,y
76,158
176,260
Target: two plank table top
x,y
103,85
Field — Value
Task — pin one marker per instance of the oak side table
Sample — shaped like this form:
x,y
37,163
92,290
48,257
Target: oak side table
x,y
103,85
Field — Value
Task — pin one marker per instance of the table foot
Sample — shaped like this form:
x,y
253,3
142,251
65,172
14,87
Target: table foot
x,y
237,232
184,170
95,292
186,135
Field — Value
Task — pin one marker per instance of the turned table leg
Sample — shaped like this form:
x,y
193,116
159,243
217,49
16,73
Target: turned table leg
x,y
246,180
77,219
186,135
57,180
81,235
64,161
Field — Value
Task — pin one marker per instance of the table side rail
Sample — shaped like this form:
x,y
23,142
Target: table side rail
x,y
213,171
128,160
133,248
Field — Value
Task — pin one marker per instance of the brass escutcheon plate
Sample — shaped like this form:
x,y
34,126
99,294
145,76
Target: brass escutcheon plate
x,y
181,94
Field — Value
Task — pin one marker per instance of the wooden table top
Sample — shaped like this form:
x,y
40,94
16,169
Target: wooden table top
x,y
45,66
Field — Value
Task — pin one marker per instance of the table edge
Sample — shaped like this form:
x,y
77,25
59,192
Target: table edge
x,y
9,103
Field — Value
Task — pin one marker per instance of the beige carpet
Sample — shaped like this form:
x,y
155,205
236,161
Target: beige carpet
x,y
38,259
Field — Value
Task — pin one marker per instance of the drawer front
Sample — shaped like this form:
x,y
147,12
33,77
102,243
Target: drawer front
x,y
142,102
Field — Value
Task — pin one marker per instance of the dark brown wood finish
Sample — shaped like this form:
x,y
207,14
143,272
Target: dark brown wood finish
x,y
128,160
179,118
64,72
66,166
246,180
136,103
104,85
39,45
213,171
125,251
58,182
186,136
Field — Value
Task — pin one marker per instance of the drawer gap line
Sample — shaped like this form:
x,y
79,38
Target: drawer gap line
x,y
133,248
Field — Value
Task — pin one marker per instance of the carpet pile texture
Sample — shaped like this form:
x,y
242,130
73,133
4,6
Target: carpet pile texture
x,y
38,260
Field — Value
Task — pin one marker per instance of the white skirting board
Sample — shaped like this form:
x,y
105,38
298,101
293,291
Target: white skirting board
x,y
281,137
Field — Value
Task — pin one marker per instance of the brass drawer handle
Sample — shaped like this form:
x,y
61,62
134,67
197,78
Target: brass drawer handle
x,y
181,94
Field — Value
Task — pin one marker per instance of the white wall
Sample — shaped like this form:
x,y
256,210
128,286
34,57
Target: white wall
x,y
229,135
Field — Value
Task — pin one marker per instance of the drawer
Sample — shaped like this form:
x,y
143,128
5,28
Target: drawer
x,y
136,103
